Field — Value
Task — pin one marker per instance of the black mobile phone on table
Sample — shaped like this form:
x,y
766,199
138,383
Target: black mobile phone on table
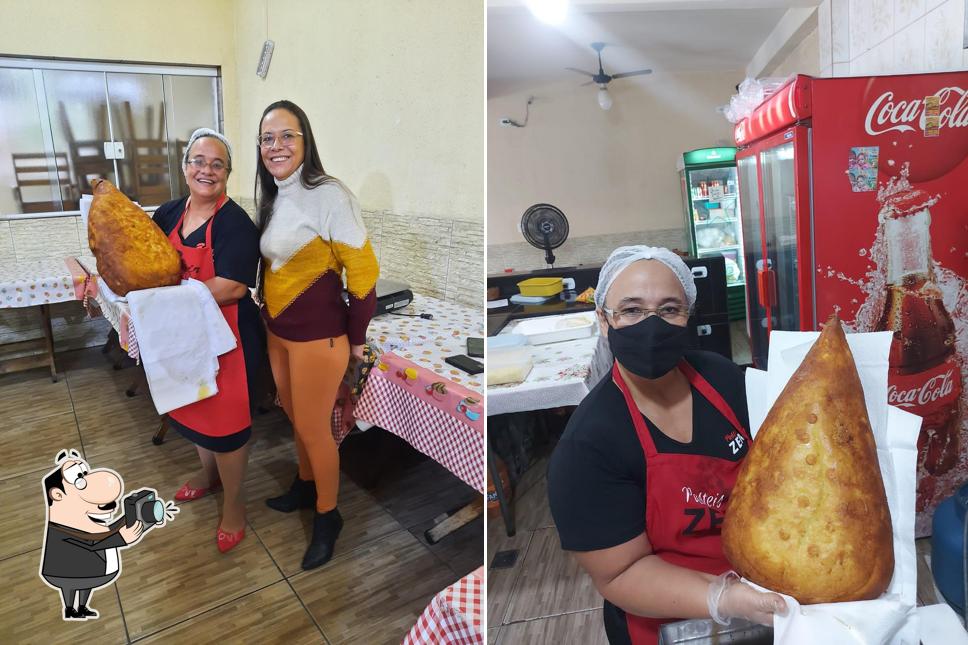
x,y
475,347
465,363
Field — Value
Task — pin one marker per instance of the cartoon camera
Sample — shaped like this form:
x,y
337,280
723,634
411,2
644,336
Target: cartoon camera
x,y
143,506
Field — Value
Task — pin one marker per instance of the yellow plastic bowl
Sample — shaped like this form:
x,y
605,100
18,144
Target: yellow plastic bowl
x,y
540,286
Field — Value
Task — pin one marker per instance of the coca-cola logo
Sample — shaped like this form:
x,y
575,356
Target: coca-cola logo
x,y
934,389
887,114
892,119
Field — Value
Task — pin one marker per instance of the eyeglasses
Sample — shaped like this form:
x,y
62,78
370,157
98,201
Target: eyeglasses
x,y
287,139
199,162
632,314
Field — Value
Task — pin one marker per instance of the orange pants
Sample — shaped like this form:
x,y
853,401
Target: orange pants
x,y
307,376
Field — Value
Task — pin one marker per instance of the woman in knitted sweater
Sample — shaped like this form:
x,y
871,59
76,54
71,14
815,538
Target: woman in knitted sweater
x,y
312,232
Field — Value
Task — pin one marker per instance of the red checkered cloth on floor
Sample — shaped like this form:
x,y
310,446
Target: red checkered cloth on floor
x,y
453,617
455,445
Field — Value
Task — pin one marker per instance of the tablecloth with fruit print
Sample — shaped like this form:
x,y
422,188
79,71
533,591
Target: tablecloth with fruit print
x,y
28,283
414,394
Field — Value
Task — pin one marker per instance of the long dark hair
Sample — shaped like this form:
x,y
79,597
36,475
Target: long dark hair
x,y
312,174
312,170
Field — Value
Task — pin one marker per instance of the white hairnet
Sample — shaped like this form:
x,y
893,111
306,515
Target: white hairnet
x,y
208,132
623,256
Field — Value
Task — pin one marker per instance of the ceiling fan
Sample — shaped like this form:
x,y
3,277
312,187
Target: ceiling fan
x,y
602,79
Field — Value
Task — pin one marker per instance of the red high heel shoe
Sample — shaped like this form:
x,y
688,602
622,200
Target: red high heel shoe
x,y
228,541
186,493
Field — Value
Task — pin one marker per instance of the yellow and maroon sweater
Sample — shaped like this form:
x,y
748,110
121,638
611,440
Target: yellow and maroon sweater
x,y
313,236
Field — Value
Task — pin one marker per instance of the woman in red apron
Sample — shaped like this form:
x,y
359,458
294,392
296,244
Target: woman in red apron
x,y
219,246
658,412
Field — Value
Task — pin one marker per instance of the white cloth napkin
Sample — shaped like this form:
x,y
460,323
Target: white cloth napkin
x,y
892,618
181,333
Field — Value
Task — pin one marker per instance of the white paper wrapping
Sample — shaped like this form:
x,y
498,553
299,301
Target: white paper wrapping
x,y
891,618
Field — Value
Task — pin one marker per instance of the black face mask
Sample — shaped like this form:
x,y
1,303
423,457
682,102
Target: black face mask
x,y
650,348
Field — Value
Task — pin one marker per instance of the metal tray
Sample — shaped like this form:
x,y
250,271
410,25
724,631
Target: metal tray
x,y
707,632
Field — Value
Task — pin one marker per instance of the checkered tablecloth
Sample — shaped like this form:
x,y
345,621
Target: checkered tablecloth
x,y
415,395
456,445
453,617
28,283
115,310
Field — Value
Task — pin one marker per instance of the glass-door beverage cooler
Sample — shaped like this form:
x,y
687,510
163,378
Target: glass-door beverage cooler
x,y
712,211
853,194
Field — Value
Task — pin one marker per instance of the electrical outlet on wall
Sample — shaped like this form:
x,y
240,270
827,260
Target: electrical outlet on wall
x,y
114,150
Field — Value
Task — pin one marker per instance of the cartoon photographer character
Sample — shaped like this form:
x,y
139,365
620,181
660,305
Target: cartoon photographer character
x,y
81,544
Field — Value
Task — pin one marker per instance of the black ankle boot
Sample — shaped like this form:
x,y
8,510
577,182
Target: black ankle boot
x,y
326,528
301,494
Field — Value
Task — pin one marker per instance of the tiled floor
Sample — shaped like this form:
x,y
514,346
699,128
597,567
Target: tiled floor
x,y
176,586
546,598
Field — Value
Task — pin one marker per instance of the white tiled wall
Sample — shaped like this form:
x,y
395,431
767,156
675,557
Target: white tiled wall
x,y
859,37
437,256
26,239
6,242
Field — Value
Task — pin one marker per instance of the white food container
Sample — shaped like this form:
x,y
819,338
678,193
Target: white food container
x,y
508,365
556,329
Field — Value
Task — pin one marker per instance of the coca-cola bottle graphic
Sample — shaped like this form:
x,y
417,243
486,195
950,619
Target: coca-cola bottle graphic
x,y
924,376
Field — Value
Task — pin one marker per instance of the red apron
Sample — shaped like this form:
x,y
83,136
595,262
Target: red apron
x,y
228,411
686,498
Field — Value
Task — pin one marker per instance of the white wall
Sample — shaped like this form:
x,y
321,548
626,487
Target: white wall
x,y
858,37
610,172
803,59
394,92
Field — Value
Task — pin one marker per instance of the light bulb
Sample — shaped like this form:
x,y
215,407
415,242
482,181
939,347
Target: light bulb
x,y
604,99
552,12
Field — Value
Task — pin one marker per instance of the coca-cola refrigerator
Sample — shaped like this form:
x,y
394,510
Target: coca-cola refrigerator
x,y
854,196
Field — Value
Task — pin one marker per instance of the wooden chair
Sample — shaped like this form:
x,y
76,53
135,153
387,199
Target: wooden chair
x,y
87,155
151,182
32,172
182,186
87,158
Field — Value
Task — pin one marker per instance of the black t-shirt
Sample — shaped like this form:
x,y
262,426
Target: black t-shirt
x,y
596,477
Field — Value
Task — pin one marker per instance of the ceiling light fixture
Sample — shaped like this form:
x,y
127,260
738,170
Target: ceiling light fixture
x,y
551,12
604,98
